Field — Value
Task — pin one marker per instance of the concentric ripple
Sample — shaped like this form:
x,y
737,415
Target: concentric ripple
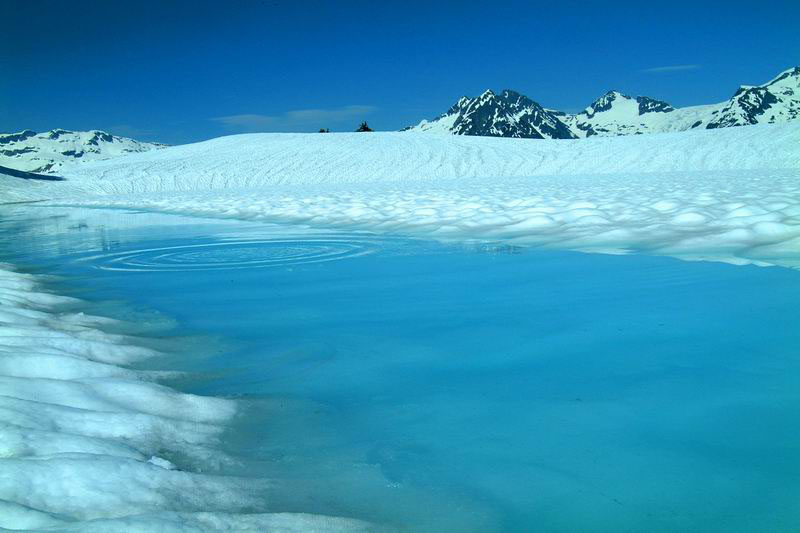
x,y
233,255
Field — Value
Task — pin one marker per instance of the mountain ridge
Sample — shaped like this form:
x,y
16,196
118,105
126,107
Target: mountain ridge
x,y
616,113
48,152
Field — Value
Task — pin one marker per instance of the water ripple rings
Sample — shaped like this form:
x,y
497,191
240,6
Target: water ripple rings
x,y
232,255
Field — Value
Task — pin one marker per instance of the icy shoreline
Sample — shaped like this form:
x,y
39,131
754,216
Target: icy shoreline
x,y
725,218
84,439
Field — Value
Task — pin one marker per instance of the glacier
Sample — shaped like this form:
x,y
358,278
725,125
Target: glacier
x,y
73,407
728,194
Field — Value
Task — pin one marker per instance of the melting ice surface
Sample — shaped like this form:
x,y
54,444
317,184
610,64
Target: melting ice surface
x,y
466,387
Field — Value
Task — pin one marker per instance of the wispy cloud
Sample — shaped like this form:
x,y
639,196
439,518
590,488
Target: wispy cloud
x,y
316,115
670,68
246,121
298,118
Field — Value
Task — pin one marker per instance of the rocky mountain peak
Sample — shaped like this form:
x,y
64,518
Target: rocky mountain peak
x,y
511,114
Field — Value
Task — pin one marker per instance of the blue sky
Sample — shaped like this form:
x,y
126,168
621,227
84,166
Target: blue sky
x,y
186,71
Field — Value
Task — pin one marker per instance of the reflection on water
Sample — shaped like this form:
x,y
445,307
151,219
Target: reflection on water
x,y
440,389
231,255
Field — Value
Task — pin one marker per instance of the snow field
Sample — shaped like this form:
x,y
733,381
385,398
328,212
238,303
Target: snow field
x,y
728,194
267,160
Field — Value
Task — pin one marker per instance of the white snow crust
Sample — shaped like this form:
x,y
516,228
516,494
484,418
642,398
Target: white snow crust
x,y
83,438
729,194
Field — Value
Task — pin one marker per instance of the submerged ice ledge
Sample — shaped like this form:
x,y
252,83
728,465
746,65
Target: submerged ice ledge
x,y
87,444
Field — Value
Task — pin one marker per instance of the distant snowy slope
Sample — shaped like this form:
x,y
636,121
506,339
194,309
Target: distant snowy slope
x,y
257,160
50,151
615,113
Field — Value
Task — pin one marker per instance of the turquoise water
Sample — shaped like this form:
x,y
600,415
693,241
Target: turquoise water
x,y
466,387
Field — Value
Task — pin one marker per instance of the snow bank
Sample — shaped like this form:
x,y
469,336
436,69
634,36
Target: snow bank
x,y
728,194
84,441
736,217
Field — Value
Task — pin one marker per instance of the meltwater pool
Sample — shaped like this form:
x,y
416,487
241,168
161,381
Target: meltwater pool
x,y
429,386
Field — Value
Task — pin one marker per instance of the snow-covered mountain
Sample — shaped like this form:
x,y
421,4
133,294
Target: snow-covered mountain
x,y
615,113
48,152
508,114
513,115
776,101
